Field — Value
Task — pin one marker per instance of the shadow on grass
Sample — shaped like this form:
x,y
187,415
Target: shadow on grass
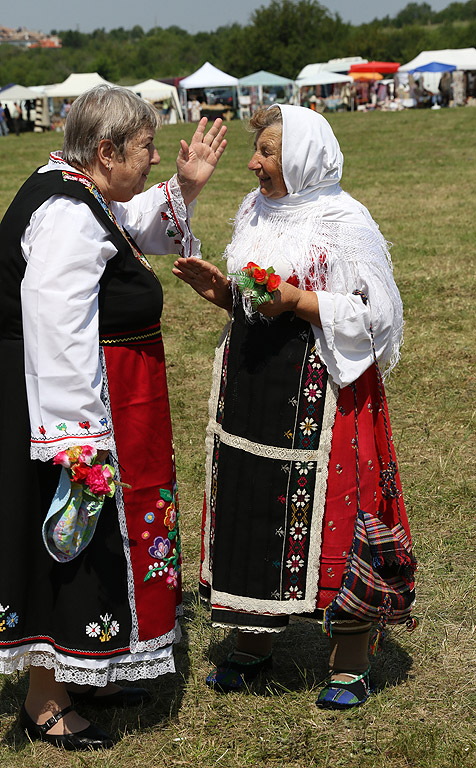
x,y
167,693
300,660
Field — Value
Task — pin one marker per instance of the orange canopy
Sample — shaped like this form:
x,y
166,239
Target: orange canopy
x,y
366,75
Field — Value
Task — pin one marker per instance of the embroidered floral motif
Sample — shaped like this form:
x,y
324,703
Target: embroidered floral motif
x,y
166,552
293,593
93,629
298,531
172,578
308,426
221,396
295,563
300,498
9,621
83,425
109,628
304,467
312,393
302,478
170,517
160,548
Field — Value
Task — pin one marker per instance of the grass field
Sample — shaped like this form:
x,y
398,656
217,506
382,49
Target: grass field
x,y
416,172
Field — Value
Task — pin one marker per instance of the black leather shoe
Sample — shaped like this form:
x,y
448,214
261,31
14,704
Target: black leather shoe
x,y
91,737
125,697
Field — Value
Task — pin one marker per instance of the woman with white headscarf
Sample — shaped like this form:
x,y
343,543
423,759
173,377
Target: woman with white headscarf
x,y
301,473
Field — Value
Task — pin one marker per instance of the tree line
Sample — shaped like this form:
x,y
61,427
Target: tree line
x,y
281,37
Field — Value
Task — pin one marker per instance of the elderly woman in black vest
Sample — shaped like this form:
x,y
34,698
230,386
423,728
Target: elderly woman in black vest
x,y
84,369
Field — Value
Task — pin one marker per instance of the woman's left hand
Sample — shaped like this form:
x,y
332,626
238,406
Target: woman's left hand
x,y
288,298
197,161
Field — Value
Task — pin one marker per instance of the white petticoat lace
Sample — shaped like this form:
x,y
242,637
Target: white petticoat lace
x,y
123,668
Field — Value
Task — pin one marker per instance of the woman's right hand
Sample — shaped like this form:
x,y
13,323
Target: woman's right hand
x,y
206,280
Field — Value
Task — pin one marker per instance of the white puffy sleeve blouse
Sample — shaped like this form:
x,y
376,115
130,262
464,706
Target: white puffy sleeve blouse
x,y
67,249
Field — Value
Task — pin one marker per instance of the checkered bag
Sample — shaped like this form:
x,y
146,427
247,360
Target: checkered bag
x,y
379,578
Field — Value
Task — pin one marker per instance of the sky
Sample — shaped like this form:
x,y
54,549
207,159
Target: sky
x,y
191,15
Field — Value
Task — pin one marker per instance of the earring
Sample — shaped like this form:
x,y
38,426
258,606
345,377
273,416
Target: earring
x,y
108,167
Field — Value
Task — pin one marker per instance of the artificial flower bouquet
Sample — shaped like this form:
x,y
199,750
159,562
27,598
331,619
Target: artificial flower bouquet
x,y
84,468
256,284
73,514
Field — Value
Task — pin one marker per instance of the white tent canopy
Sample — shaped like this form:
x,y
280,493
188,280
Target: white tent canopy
x,y
17,93
311,71
208,76
461,58
153,90
323,78
75,85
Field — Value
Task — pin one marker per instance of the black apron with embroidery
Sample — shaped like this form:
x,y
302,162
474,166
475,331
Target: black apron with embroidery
x,y
260,504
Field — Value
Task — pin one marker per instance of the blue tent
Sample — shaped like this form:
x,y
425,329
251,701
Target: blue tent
x,y
435,66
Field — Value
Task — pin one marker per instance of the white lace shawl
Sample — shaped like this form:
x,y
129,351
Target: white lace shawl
x,y
330,243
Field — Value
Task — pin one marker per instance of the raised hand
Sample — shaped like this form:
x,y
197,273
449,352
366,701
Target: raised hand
x,y
197,161
205,279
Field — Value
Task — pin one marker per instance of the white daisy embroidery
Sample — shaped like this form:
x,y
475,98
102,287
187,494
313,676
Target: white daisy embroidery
x,y
308,426
93,629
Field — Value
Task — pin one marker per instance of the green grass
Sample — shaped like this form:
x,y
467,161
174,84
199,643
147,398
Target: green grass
x,y
416,172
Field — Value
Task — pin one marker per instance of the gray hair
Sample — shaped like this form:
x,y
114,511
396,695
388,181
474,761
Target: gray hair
x,y
265,118
104,112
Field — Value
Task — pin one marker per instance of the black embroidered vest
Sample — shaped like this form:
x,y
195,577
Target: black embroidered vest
x,y
130,296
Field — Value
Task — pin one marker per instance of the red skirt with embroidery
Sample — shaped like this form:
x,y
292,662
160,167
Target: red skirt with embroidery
x,y
145,460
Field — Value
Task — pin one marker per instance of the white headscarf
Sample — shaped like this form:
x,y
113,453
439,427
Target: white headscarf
x,y
311,155
317,231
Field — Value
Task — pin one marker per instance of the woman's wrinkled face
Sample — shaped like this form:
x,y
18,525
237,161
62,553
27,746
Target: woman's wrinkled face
x,y
266,162
129,173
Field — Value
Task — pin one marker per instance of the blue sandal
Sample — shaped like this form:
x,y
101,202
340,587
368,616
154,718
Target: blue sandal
x,y
233,675
343,694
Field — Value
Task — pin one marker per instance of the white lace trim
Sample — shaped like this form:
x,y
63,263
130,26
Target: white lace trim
x,y
119,498
249,628
174,634
48,452
212,409
121,668
258,449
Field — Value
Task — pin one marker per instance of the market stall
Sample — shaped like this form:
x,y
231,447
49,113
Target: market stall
x,y
214,91
323,90
261,88
455,86
163,96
